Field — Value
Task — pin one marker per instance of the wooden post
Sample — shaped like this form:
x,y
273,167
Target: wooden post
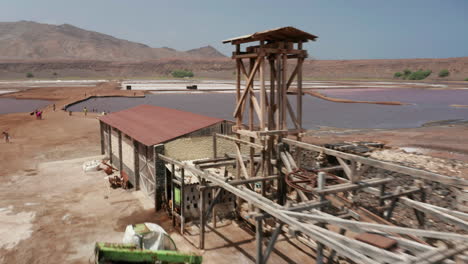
x,y
172,194
284,92
238,96
202,216
182,201
279,106
299,104
259,239
101,131
251,119
109,132
168,185
120,152
281,181
215,150
136,161
159,177
320,186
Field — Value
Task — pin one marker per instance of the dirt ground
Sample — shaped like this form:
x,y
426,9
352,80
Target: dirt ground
x,y
51,211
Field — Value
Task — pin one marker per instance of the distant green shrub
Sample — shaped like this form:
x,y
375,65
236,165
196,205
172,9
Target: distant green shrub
x,y
29,75
444,73
182,73
406,74
397,74
466,80
419,75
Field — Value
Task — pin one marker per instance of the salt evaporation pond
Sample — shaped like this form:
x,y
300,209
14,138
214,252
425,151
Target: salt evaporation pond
x,y
12,105
317,112
412,95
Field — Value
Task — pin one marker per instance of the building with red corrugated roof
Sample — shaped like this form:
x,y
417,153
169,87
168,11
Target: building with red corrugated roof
x,y
131,137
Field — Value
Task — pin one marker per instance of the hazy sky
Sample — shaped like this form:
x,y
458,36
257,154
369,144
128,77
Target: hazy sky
x,y
347,29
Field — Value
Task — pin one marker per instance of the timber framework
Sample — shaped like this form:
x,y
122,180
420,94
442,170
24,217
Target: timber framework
x,y
272,189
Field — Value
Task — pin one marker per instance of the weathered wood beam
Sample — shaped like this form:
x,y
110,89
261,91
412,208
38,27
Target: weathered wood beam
x,y
358,226
250,144
449,180
352,186
240,101
434,212
438,255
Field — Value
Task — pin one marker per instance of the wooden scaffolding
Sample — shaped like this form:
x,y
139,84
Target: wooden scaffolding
x,y
265,113
268,124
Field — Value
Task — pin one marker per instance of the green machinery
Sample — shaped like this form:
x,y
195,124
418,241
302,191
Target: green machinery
x,y
138,251
130,253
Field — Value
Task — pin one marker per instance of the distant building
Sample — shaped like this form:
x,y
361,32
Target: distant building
x,y
131,137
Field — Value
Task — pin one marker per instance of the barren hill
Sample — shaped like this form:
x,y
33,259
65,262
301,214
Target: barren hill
x,y
206,52
224,68
27,40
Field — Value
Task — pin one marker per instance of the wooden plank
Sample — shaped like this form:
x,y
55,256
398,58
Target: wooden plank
x,y
263,96
438,255
360,227
291,78
284,96
247,133
449,180
307,206
352,186
241,163
250,144
245,56
256,107
291,114
247,88
434,212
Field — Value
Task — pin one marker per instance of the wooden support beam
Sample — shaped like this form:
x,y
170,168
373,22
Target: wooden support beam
x,y
215,147
449,180
201,206
330,239
271,243
240,162
352,186
245,56
357,226
259,240
434,212
400,194
249,82
136,162
253,179
247,133
182,201
438,255
308,205
291,114
101,132
120,151
250,144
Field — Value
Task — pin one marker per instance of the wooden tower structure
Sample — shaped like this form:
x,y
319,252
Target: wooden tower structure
x,y
264,112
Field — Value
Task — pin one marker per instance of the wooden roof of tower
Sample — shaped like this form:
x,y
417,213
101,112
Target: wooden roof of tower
x,y
290,34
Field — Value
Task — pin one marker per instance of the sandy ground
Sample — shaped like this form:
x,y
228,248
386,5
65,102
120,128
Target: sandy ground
x,y
51,211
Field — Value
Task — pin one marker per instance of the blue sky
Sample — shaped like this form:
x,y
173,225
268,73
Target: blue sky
x,y
358,29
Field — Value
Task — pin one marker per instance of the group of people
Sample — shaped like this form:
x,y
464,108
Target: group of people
x,y
38,114
6,136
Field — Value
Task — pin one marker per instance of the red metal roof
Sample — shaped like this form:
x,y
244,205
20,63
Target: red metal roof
x,y
151,125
